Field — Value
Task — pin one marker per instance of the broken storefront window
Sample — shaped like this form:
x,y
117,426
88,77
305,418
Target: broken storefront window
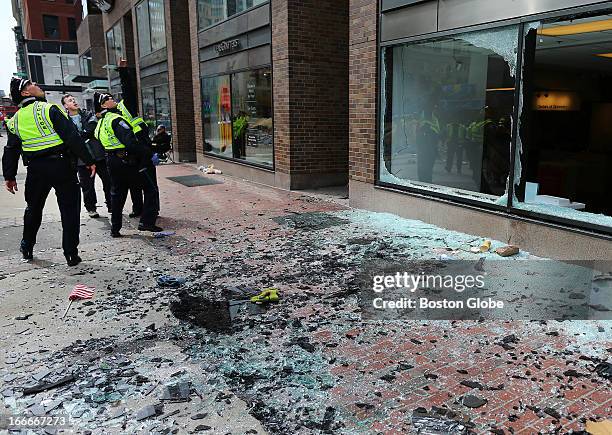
x,y
447,118
565,139
447,110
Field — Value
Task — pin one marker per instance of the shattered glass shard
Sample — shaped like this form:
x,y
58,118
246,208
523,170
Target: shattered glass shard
x,y
177,393
435,423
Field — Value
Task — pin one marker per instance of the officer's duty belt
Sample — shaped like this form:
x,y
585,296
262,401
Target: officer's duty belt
x,y
121,153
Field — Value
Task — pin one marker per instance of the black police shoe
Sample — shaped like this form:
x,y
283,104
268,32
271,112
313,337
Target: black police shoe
x,y
115,234
73,260
135,214
151,228
26,252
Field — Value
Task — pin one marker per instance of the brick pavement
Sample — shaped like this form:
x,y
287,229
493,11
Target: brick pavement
x,y
425,362
310,364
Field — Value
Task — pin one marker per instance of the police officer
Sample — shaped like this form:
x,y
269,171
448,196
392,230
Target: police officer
x,y
125,155
128,108
47,140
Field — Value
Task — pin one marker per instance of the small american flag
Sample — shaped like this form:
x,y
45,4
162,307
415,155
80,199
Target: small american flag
x,y
81,291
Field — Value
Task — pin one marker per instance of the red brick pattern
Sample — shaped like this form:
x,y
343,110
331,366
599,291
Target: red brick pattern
x,y
310,53
280,83
180,78
195,79
362,89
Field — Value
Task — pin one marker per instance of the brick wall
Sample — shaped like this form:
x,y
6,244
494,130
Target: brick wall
x,y
362,89
280,84
310,58
195,78
180,78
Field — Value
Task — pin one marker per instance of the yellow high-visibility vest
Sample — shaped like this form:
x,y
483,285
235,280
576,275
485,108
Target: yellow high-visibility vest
x,y
32,124
105,134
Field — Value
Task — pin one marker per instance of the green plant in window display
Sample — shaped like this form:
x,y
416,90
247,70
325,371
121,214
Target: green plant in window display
x,y
240,125
239,128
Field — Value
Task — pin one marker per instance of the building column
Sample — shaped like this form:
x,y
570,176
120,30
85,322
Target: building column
x,y
180,77
310,80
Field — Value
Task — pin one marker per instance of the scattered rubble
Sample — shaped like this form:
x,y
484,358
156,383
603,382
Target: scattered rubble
x,y
310,364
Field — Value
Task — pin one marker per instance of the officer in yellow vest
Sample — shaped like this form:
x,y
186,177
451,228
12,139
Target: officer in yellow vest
x,y
128,107
48,142
148,173
125,157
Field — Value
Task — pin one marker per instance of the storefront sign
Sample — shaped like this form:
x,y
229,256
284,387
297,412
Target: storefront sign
x,y
227,46
556,101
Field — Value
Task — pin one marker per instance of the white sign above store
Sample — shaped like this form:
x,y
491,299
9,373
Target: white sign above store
x,y
228,46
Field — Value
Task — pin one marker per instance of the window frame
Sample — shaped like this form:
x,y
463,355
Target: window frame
x,y
112,31
153,89
201,29
58,27
148,25
507,210
230,74
68,21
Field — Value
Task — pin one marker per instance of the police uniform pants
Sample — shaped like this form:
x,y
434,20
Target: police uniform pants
x,y
58,173
150,210
124,177
137,201
88,185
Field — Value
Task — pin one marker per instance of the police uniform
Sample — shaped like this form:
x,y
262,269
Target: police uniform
x,y
148,172
49,143
124,157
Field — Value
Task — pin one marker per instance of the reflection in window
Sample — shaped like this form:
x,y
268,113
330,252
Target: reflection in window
x,y
567,134
243,5
151,26
142,24
252,116
156,108
216,115
213,11
447,110
237,116
85,63
114,44
158,27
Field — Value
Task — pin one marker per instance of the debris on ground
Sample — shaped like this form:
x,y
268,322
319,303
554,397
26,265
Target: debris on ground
x,y
154,359
170,281
507,251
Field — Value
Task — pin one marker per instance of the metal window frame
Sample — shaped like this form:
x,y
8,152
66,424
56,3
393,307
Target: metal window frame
x,y
508,210
140,54
153,88
271,167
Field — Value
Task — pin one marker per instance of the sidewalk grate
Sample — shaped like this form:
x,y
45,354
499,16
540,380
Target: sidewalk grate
x,y
194,180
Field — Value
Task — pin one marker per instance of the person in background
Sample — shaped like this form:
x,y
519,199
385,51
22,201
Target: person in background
x,y
1,122
161,142
86,122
